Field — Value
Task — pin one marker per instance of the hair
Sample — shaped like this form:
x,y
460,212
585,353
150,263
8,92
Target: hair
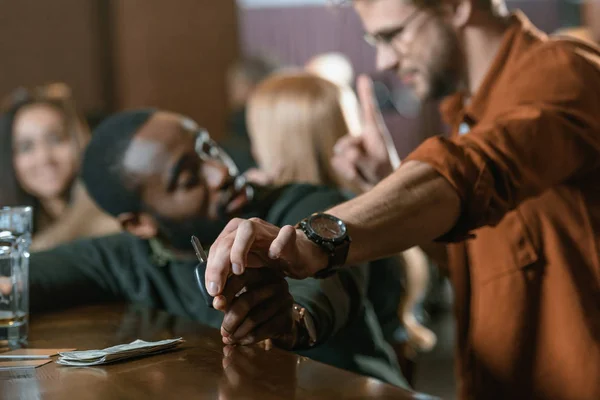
x,y
56,95
255,68
496,6
101,170
294,120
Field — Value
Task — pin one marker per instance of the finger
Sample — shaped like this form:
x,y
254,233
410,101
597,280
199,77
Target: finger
x,y
368,170
234,285
244,238
344,162
230,227
218,265
283,243
364,183
346,142
368,104
220,303
351,173
246,303
279,325
249,280
262,315
374,129
343,168
352,155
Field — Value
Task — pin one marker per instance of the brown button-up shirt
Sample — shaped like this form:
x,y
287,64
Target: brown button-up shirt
x,y
525,161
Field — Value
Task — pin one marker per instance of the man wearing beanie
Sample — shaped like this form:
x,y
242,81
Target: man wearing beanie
x,y
164,179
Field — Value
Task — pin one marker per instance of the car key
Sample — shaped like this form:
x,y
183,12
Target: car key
x,y
200,270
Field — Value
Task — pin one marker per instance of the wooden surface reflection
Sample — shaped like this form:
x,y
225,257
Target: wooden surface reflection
x,y
201,369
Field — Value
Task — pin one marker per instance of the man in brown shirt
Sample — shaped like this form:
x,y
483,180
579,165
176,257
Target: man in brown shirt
x,y
516,191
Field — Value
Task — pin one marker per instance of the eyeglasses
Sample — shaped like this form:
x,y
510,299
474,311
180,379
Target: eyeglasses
x,y
388,36
208,149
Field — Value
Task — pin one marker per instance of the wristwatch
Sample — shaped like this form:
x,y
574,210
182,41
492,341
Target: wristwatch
x,y
329,233
306,334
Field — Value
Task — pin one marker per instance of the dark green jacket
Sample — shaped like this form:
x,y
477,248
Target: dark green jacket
x,y
125,268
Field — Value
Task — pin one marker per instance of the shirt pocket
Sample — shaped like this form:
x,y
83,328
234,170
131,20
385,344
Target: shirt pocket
x,y
514,249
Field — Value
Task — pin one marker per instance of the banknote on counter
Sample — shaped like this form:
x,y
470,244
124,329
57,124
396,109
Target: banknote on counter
x,y
120,352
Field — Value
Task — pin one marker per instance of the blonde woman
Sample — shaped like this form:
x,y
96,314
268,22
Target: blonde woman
x,y
294,121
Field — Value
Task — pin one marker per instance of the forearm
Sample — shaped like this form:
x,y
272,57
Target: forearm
x,y
59,279
414,205
82,219
55,288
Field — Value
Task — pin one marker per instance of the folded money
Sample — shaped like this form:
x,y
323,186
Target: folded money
x,y
136,348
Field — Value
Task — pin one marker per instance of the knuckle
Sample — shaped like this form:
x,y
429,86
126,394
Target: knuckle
x,y
233,223
245,306
234,315
289,229
228,321
275,248
251,321
247,225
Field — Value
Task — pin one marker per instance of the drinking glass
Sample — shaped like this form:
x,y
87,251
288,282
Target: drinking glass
x,y
15,239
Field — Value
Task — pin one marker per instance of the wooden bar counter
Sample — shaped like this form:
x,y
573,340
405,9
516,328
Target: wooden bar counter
x,y
202,368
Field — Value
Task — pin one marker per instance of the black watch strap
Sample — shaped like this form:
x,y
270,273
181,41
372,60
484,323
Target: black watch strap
x,y
336,252
337,259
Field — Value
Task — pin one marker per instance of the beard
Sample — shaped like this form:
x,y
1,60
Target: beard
x,y
178,234
442,85
446,69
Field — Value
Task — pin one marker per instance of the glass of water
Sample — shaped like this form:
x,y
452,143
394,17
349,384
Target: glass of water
x,y
15,239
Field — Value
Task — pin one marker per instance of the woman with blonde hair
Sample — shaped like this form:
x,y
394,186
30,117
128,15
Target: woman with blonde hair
x,y
294,121
42,137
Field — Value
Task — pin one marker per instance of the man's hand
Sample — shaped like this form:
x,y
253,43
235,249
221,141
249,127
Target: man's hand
x,y
367,159
255,243
257,306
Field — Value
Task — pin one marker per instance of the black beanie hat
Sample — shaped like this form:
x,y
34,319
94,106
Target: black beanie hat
x,y
101,169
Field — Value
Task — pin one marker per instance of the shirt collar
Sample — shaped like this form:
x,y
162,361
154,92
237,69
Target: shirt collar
x,y
453,109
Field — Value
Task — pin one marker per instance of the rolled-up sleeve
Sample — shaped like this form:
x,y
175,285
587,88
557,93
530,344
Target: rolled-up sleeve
x,y
548,134
332,302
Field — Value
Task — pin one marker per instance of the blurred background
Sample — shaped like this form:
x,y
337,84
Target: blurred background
x,y
178,55
117,54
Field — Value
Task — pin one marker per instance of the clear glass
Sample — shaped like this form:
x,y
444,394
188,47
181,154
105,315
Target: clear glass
x,y
15,239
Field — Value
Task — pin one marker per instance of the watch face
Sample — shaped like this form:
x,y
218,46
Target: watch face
x,y
327,227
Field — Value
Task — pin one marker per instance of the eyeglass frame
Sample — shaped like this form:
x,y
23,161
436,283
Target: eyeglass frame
x,y
216,152
374,40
